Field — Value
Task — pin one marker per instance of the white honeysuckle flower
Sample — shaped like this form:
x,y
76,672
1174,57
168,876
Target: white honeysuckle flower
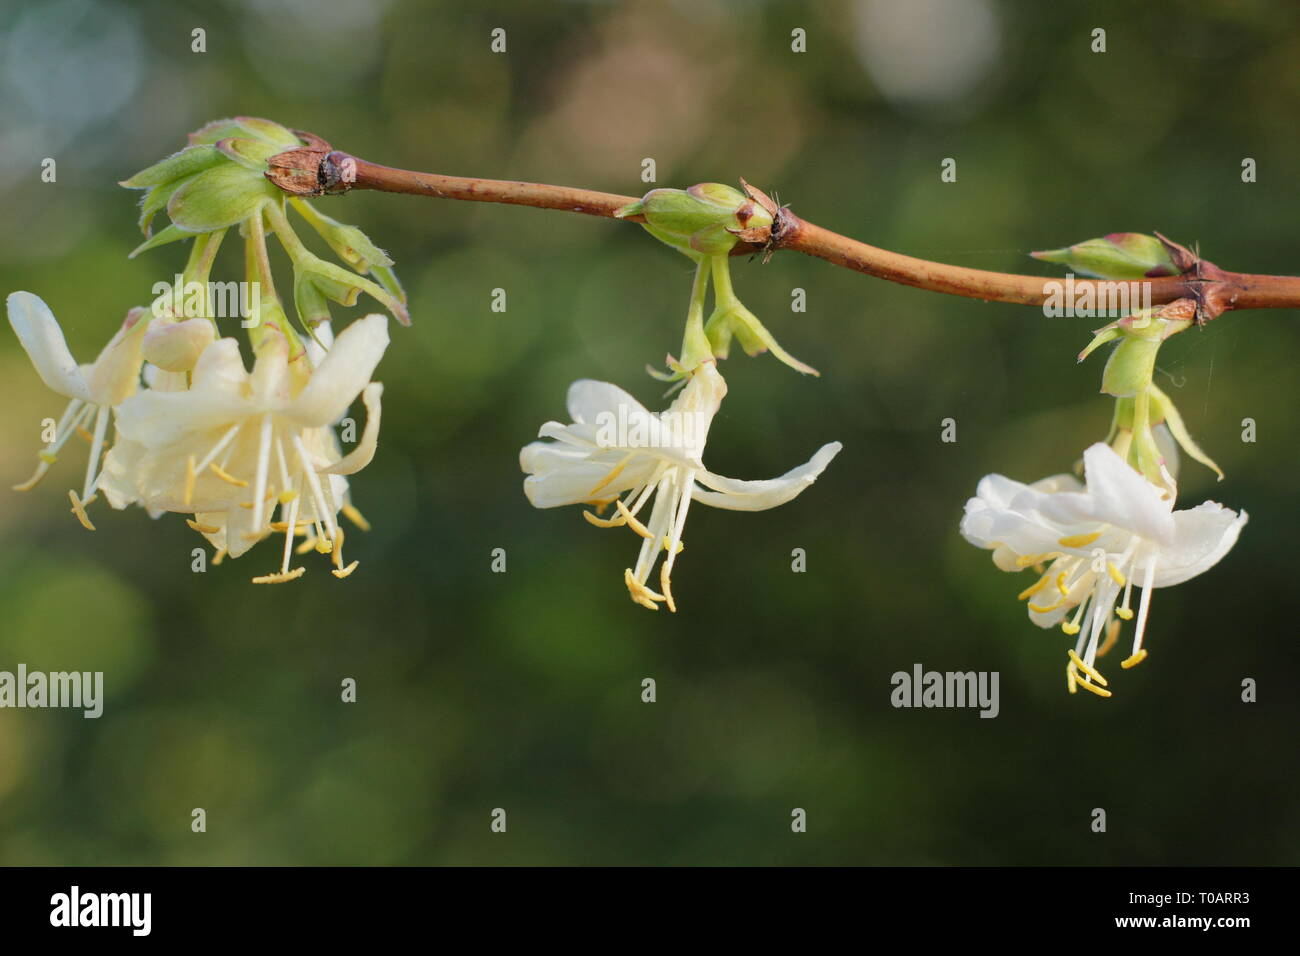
x,y
616,452
93,390
1099,539
235,444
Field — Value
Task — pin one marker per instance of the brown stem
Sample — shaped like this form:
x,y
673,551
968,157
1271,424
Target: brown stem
x,y
317,170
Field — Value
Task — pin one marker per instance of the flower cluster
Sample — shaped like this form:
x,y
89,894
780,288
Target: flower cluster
x,y
195,433
244,454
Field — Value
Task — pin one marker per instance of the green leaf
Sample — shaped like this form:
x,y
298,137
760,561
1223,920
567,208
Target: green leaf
x,y
191,160
171,234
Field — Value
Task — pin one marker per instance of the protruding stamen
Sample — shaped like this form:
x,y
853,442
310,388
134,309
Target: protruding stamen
x,y
96,448
615,522
280,577
1115,574
1144,605
1089,686
1087,668
632,521
263,465
1112,635
202,528
640,593
79,509
290,529
355,516
1135,660
344,572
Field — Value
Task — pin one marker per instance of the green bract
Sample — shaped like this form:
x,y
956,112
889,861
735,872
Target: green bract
x,y
219,181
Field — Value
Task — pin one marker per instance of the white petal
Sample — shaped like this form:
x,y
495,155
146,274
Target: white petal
x,y
589,398
736,495
345,371
1202,536
364,453
1116,494
115,374
41,337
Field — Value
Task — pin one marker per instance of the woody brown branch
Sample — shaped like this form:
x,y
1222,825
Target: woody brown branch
x,y
316,169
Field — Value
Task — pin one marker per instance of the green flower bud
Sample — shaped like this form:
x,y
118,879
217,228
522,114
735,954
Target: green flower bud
x,y
1120,255
703,219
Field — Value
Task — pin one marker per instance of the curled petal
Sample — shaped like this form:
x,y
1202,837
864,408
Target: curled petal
x,y
39,333
342,375
364,453
736,495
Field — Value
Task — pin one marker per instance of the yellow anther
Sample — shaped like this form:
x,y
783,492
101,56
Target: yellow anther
x,y
1033,588
1026,560
1060,585
668,545
1078,540
1099,691
307,545
280,577
1038,609
219,556
1134,660
640,593
1070,627
202,528
85,435
601,504
226,476
666,584
356,517
632,522
1071,681
79,509
344,572
1115,574
613,473
47,457
286,496
1087,668
189,480
1112,635
1125,613
324,545
604,522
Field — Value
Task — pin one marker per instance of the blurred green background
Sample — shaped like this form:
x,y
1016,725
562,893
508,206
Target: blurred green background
x,y
522,690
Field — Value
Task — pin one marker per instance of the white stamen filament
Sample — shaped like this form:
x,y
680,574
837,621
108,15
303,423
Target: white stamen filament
x,y
96,446
1144,605
263,462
